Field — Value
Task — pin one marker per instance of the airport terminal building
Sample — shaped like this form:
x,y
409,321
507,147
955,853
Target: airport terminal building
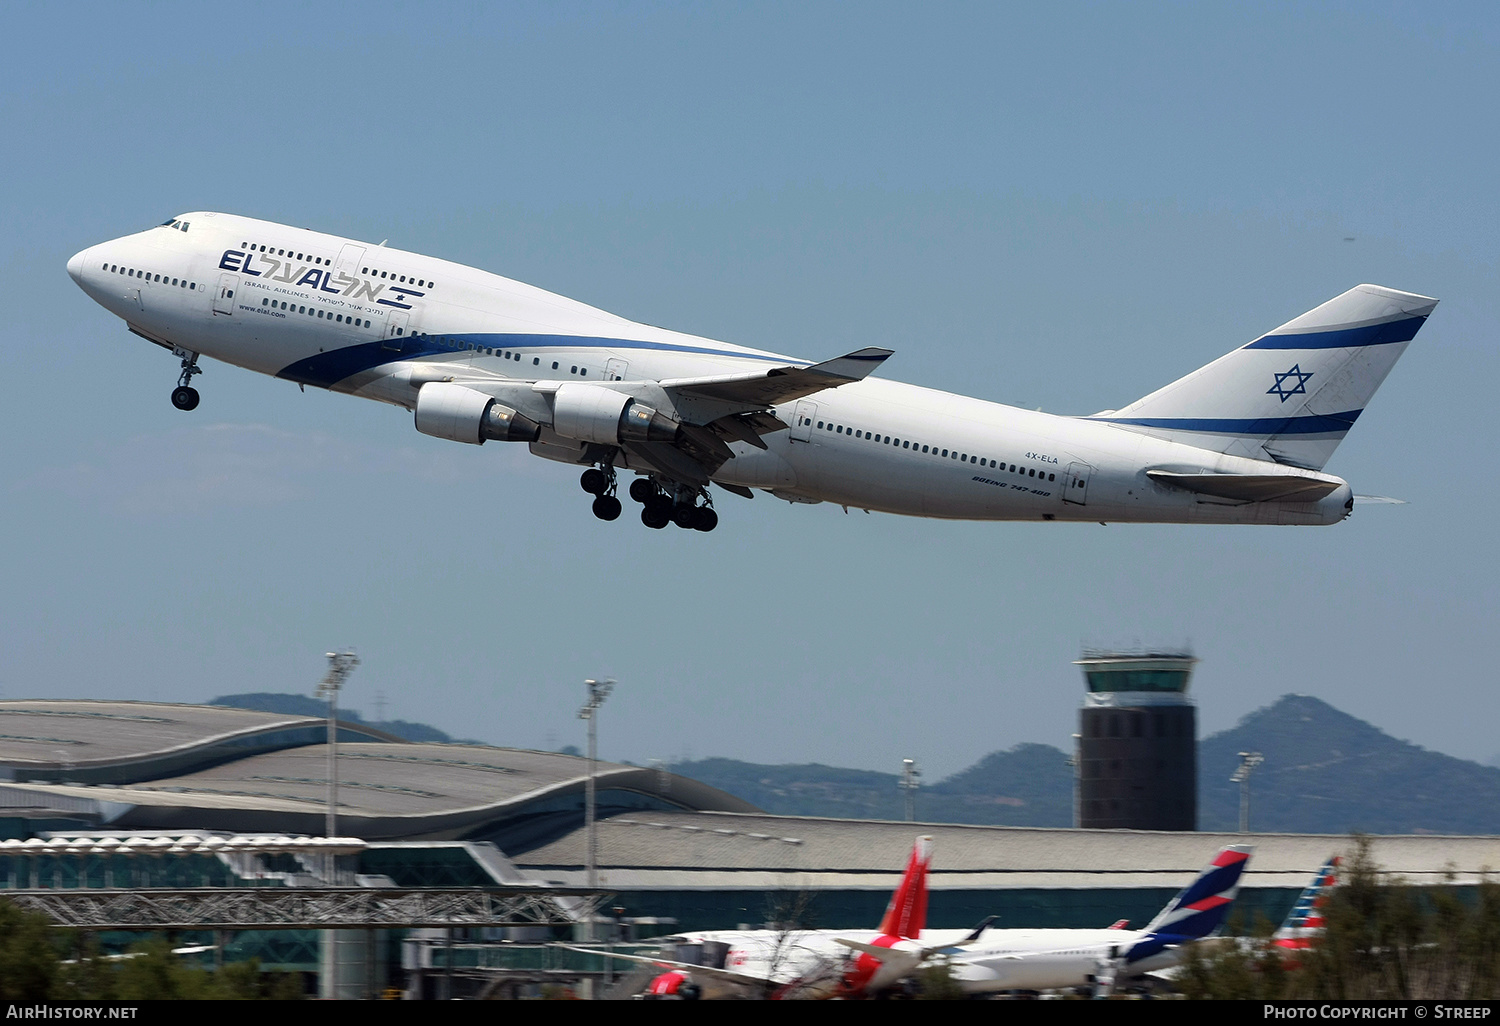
x,y
85,787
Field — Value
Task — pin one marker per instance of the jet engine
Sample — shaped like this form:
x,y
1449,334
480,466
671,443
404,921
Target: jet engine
x,y
462,414
592,413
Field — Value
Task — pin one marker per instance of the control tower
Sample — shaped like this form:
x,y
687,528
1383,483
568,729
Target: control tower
x,y
1138,742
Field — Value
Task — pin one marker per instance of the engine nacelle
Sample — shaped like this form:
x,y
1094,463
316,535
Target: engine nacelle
x,y
462,414
593,413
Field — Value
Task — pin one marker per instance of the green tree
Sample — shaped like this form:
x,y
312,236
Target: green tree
x,y
29,962
1384,940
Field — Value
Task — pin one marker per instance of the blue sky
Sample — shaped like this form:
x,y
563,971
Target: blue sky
x,y
1055,206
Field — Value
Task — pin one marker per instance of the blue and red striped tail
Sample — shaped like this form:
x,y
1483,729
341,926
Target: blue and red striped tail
x,y
1203,905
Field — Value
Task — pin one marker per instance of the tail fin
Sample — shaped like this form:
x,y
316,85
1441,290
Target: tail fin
x,y
1305,920
906,915
1293,394
1203,905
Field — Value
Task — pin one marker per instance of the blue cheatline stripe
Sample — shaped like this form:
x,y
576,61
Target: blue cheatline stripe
x,y
1333,423
327,369
1345,338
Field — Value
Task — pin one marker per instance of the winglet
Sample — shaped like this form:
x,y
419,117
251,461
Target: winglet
x,y
853,366
974,934
906,915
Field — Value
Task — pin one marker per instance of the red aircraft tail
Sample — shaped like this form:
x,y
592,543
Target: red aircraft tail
x,y
906,915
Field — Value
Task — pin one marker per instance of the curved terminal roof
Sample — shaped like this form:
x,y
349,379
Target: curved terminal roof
x,y
394,790
105,742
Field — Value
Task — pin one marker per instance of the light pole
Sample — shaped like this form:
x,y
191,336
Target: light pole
x,y
340,665
1248,762
598,691
1075,763
910,781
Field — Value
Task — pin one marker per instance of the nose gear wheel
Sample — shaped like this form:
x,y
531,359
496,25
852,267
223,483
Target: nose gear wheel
x,y
185,396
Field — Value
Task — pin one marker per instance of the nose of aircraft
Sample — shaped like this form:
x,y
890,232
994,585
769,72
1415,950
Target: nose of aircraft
x,y
75,266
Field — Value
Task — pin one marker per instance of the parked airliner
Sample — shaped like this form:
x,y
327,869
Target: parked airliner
x,y
799,964
477,357
832,963
1059,959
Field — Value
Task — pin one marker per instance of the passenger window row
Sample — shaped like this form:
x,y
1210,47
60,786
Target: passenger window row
x,y
449,342
131,272
932,450
254,247
421,283
358,322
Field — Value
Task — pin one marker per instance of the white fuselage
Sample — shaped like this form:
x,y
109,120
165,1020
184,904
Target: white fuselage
x,y
999,959
1048,959
357,318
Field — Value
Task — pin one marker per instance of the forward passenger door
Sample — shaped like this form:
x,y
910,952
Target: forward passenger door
x,y
224,298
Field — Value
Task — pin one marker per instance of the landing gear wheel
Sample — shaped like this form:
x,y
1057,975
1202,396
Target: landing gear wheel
x,y
607,507
707,519
685,517
642,490
655,517
185,397
594,482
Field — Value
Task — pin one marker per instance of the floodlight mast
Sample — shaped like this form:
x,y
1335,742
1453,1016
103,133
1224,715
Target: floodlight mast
x,y
1248,762
340,665
598,691
911,778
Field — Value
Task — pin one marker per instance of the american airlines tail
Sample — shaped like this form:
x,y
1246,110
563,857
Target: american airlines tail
x,y
1304,923
1293,394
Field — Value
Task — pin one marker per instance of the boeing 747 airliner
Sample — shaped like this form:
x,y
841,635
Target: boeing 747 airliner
x,y
476,357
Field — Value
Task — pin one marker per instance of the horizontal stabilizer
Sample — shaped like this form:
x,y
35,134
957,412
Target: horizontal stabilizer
x,y
727,975
875,951
1248,487
1377,500
782,384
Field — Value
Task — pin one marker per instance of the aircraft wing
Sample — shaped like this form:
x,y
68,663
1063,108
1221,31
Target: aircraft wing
x,y
914,956
781,384
714,410
1248,487
720,409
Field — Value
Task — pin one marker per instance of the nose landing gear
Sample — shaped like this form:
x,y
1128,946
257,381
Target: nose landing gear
x,y
185,396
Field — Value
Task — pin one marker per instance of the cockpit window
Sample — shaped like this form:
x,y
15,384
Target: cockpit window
x,y
181,226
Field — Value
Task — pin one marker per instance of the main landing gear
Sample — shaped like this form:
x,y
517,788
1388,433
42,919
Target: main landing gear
x,y
678,506
600,483
185,396
663,502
